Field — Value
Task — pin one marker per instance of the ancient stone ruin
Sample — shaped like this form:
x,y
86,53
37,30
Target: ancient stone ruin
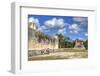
x,y
79,44
37,40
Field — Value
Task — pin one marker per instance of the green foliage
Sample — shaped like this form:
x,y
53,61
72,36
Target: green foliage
x,y
65,42
86,44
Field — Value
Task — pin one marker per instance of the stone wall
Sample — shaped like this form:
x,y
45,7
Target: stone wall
x,y
35,45
37,40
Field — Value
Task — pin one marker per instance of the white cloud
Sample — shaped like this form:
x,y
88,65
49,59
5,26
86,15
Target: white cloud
x,y
74,28
35,20
60,22
75,31
86,34
62,31
42,28
71,31
83,20
80,19
31,19
80,38
84,23
54,22
50,23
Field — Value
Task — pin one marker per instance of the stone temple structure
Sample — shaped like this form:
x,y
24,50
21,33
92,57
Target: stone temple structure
x,y
37,40
79,44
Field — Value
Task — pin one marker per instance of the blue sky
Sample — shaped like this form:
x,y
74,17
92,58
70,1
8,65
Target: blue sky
x,y
75,27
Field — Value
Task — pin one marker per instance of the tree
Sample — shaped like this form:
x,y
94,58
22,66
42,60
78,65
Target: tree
x,y
61,40
86,44
65,42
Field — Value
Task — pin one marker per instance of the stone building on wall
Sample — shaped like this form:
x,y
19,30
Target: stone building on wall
x,y
37,40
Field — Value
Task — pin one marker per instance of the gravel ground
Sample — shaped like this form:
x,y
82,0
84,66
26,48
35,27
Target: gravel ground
x,y
60,55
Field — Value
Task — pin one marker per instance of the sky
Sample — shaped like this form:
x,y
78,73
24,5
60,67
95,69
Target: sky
x,y
74,27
